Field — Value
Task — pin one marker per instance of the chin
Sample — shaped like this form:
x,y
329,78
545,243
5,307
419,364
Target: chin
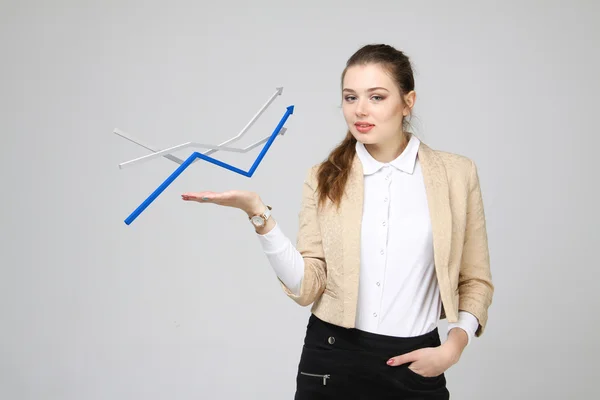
x,y
366,138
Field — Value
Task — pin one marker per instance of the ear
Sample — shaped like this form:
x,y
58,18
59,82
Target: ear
x,y
409,100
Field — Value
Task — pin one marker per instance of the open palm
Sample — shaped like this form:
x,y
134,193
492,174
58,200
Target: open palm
x,y
244,200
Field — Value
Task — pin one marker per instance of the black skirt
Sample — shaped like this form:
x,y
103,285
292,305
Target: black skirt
x,y
341,363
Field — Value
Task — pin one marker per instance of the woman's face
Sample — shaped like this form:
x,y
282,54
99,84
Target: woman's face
x,y
370,96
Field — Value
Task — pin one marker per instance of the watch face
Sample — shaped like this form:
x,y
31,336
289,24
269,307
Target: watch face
x,y
258,221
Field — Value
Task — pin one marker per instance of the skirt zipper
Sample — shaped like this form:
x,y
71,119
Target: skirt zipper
x,y
325,377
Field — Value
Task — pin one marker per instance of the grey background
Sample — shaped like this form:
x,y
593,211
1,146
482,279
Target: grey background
x,y
182,304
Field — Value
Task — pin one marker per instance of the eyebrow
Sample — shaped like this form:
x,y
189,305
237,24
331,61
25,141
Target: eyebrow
x,y
368,90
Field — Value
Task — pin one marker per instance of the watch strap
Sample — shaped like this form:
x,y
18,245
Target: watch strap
x,y
264,215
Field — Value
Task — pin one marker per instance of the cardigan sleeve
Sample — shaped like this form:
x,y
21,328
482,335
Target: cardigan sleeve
x,y
301,270
475,280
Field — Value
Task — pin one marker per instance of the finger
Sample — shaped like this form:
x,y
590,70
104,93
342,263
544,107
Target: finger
x,y
201,196
210,197
416,371
403,359
189,196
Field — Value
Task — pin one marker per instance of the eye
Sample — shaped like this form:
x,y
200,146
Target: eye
x,y
375,97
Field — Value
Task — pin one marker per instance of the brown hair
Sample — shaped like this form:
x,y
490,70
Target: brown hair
x,y
333,173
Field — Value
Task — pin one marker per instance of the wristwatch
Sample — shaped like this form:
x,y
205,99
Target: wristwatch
x,y
260,220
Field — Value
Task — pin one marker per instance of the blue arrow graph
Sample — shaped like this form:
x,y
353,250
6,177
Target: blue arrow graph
x,y
191,158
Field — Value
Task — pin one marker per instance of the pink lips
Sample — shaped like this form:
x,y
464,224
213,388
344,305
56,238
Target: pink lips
x,y
363,128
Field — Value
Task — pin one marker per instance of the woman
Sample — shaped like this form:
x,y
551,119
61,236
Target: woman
x,y
392,238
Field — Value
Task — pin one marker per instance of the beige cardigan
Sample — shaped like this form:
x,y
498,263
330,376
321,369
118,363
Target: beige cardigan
x,y
329,241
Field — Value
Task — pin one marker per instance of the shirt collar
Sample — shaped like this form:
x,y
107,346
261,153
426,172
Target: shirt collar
x,y
404,162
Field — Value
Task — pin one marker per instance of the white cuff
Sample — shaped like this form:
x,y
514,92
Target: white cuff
x,y
273,241
467,322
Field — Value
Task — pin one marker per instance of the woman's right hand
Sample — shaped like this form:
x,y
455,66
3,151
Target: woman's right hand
x,y
247,201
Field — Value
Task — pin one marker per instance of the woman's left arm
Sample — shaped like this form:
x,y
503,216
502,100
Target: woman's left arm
x,y
475,288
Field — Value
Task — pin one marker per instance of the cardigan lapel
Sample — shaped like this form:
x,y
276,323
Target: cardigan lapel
x,y
438,198
351,211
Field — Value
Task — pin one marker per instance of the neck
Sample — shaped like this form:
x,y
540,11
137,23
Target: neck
x,y
390,150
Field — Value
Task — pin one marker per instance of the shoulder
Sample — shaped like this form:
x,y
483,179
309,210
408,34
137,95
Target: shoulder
x,y
455,162
459,167
311,175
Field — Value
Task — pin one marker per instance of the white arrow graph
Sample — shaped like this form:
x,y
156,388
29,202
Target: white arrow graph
x,y
213,148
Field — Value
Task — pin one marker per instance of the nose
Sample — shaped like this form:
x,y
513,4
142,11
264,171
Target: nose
x,y
360,109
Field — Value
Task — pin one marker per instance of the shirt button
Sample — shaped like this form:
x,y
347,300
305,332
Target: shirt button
x,y
383,223
374,314
378,283
381,252
386,199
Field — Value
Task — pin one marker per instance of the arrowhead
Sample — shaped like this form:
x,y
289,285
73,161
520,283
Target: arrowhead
x,y
279,90
291,109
